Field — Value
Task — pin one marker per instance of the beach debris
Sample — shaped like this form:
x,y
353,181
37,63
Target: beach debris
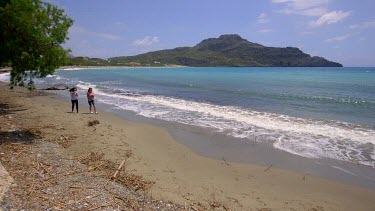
x,y
136,182
65,140
118,169
47,178
268,168
304,177
81,187
226,162
64,137
101,206
193,208
96,167
93,122
90,158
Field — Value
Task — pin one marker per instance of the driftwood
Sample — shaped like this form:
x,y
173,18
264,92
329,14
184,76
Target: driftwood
x,y
118,169
226,162
269,167
82,187
44,169
193,208
95,167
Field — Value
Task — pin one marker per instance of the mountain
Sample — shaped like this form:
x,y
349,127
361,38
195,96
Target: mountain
x,y
227,50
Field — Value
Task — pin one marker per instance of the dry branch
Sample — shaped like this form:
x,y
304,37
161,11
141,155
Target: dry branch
x,y
226,162
118,169
81,187
100,206
268,168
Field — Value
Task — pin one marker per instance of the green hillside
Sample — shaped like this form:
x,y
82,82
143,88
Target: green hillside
x,y
227,50
86,61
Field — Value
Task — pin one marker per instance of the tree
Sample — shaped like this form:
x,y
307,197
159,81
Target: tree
x,y
31,35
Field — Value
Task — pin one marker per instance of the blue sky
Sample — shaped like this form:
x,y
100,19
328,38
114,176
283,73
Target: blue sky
x,y
339,30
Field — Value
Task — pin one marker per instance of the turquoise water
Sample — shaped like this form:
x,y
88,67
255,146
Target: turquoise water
x,y
311,112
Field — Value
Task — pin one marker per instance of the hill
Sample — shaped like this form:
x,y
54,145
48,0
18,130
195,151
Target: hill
x,y
227,50
86,61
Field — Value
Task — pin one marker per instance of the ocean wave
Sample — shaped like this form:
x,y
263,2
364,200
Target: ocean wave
x,y
5,77
358,102
75,68
345,100
307,138
303,137
285,96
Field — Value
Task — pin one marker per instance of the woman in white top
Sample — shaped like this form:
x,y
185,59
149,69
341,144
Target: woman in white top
x,y
74,98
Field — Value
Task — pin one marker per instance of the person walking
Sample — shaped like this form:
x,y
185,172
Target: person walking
x,y
90,98
74,98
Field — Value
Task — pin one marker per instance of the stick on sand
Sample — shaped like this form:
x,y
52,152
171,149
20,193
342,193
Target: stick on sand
x,y
269,167
118,169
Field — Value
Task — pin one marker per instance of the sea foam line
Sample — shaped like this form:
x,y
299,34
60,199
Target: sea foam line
x,y
5,77
307,138
265,120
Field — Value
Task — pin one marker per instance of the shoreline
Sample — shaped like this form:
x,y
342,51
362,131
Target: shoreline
x,y
8,69
181,175
213,145
114,67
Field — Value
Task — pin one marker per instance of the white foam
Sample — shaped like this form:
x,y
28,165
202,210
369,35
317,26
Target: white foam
x,y
344,170
307,138
5,77
84,85
75,68
268,121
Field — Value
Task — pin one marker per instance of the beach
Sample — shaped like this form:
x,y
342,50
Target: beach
x,y
181,175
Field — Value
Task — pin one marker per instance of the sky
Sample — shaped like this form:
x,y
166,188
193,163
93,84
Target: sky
x,y
339,30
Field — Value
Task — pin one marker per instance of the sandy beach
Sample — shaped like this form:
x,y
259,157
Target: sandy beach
x,y
180,175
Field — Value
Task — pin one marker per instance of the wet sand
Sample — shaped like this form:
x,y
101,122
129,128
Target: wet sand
x,y
180,174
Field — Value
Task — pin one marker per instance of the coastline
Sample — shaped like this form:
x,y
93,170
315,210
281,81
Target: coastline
x,y
113,67
181,175
8,69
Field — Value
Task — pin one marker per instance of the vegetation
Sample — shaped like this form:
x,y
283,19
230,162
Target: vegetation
x,y
227,50
86,61
31,34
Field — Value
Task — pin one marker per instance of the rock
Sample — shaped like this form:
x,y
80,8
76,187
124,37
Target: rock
x,y
57,87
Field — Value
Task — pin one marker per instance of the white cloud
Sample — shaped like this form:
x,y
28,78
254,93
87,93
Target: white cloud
x,y
364,25
338,38
306,4
265,30
303,7
330,18
263,18
147,41
314,8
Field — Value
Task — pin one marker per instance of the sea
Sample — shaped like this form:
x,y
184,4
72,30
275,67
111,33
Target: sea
x,y
309,112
